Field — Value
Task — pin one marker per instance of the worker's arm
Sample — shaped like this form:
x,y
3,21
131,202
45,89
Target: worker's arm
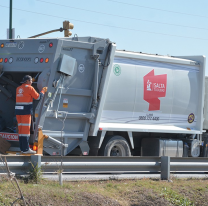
x,y
36,95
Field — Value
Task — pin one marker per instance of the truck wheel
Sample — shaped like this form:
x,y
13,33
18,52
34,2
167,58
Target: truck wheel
x,y
115,146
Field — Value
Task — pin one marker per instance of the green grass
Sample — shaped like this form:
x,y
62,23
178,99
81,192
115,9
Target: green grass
x,y
175,198
113,192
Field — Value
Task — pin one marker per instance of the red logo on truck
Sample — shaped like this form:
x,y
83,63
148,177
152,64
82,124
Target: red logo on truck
x,y
154,88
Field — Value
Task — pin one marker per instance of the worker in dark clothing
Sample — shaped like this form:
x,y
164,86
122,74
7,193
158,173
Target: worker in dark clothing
x,y
24,109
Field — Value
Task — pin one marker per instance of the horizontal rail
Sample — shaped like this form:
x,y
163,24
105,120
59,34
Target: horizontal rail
x,y
75,164
15,164
100,164
101,167
187,164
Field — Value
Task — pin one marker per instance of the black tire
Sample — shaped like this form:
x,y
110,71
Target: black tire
x,y
115,146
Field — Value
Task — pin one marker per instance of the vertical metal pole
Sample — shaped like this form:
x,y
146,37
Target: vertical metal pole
x,y
165,168
36,161
60,179
36,167
10,21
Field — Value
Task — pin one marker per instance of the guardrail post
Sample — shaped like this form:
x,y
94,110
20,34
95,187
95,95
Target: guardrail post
x,y
35,161
165,168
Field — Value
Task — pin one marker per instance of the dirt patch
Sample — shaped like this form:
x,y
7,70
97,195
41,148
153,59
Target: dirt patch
x,y
93,199
144,197
82,199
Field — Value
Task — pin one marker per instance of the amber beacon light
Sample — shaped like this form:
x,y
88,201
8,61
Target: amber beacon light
x,y
35,147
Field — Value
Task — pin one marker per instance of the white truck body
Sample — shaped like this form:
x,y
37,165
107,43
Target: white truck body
x,y
154,94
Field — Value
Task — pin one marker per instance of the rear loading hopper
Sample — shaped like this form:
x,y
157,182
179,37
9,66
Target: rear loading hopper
x,y
72,70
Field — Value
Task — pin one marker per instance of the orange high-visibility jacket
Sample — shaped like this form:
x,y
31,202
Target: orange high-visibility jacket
x,y
24,99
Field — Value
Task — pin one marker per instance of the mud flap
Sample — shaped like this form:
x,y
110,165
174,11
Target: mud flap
x,y
195,148
84,148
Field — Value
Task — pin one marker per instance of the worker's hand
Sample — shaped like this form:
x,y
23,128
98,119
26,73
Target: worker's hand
x,y
33,79
45,89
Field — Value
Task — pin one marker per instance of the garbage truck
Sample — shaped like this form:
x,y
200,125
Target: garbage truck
x,y
103,101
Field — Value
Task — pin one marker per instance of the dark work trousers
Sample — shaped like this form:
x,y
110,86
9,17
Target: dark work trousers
x,y
24,143
24,122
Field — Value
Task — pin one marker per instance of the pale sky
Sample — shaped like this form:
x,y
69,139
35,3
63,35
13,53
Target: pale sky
x,y
157,27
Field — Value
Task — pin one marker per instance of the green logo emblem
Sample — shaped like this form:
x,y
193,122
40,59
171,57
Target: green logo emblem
x,y
117,70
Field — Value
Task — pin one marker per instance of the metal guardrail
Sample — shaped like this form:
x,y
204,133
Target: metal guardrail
x,y
71,164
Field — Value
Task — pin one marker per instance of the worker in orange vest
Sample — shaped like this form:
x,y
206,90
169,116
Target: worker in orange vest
x,y
24,109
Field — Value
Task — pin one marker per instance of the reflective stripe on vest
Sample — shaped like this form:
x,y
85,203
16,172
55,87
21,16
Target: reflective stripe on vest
x,y
24,103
